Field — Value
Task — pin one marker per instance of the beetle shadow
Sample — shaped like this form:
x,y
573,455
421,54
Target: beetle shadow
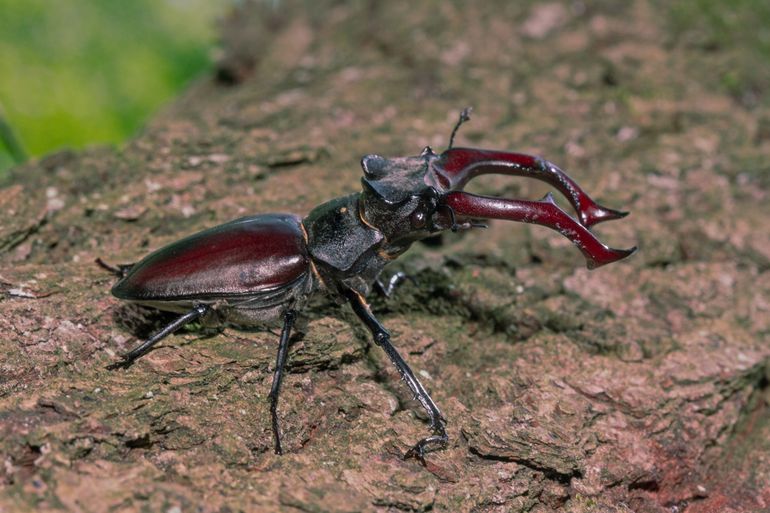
x,y
143,322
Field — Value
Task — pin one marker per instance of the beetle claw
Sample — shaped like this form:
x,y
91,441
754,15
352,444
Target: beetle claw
x,y
434,442
417,452
438,441
124,363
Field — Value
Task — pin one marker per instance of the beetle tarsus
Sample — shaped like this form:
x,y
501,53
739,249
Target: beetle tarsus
x,y
432,443
382,339
142,349
124,363
280,363
387,290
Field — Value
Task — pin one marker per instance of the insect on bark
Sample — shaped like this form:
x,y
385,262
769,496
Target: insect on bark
x,y
264,268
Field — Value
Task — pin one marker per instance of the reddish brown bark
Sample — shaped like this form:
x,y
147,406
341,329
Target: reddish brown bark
x,y
641,386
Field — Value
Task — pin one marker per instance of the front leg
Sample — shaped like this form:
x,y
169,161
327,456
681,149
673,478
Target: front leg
x,y
386,290
382,339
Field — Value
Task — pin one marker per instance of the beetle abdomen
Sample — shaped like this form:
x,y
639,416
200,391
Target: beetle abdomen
x,y
240,258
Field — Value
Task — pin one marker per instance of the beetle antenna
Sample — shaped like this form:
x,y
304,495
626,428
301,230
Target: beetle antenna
x,y
455,227
465,115
453,219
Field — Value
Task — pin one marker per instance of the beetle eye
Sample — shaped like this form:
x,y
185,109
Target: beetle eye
x,y
418,219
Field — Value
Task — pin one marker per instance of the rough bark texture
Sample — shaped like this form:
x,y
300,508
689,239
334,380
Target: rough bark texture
x,y
641,386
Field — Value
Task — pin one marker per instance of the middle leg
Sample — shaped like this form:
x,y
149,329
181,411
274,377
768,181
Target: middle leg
x,y
280,363
382,338
386,290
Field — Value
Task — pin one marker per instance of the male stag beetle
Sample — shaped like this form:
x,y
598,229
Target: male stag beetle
x,y
263,268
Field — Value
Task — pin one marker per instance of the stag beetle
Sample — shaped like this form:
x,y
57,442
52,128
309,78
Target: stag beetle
x,y
264,268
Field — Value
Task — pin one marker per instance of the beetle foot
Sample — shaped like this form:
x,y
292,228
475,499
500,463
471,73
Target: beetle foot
x,y
429,444
386,290
124,363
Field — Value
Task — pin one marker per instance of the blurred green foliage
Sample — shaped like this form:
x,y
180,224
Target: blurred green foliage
x,y
80,72
737,33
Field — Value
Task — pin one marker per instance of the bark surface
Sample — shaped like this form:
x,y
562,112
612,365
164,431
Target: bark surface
x,y
641,386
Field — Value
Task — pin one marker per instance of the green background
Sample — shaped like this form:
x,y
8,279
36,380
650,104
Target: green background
x,y
82,72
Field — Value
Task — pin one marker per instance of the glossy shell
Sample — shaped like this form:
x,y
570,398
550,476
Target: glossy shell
x,y
242,258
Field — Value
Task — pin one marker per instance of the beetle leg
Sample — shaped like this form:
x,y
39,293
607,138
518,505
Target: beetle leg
x,y
394,281
382,339
544,212
120,270
144,347
456,166
280,363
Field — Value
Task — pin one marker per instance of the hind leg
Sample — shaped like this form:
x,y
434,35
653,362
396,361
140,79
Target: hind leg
x,y
129,358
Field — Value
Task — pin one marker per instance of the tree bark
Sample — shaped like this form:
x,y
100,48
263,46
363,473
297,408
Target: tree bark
x,y
641,386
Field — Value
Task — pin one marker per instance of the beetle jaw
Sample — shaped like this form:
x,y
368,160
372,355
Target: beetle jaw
x,y
412,198
454,168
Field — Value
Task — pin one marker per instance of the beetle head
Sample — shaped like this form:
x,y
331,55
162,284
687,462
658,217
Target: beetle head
x,y
399,198
411,198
